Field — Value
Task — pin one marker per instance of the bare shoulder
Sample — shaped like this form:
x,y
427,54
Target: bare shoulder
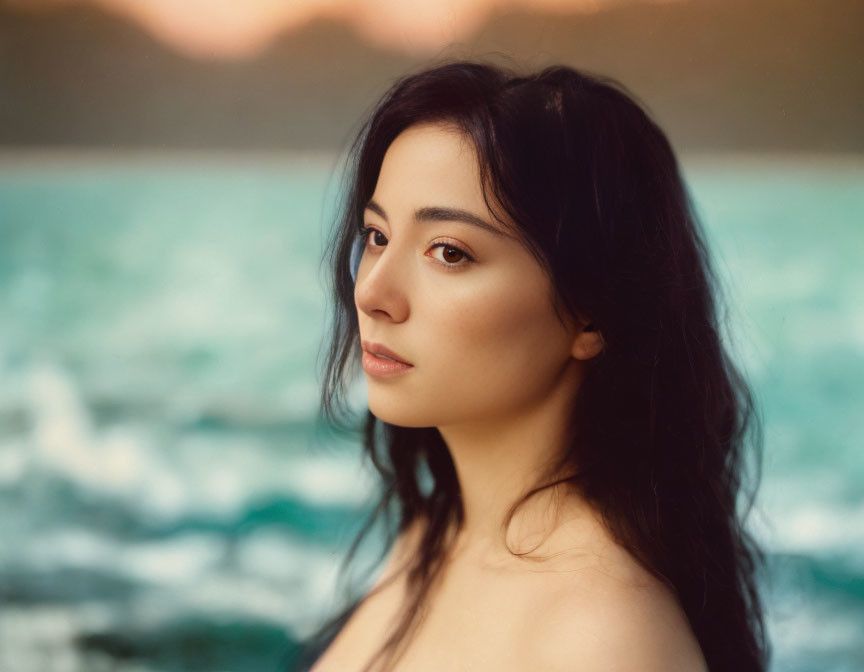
x,y
369,626
623,620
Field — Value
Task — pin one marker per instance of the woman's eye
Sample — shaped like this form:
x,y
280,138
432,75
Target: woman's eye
x,y
451,255
366,230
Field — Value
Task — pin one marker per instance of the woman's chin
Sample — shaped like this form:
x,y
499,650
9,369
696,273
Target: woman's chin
x,y
400,412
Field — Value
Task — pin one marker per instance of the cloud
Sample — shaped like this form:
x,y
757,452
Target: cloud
x,y
231,29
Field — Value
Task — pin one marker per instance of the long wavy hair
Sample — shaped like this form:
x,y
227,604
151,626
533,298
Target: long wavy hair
x,y
660,427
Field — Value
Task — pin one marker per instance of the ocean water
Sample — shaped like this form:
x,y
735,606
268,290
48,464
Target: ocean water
x,y
167,500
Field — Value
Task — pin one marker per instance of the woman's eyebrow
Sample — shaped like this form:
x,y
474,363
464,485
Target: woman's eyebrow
x,y
438,214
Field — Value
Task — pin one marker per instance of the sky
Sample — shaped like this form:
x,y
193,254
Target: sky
x,y
230,29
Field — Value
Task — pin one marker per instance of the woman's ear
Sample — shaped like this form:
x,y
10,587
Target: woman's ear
x,y
587,343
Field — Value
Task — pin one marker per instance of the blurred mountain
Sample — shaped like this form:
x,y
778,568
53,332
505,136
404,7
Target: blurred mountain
x,y
781,75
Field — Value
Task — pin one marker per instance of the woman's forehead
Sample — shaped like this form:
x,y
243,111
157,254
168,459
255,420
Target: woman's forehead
x,y
435,167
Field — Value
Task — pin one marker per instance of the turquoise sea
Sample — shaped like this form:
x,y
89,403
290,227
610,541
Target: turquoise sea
x,y
167,501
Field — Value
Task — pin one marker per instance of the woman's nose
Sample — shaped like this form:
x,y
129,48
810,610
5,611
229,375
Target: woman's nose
x,y
382,283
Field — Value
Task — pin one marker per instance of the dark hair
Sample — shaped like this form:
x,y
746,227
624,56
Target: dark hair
x,y
661,421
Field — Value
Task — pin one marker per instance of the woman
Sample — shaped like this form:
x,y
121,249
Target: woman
x,y
563,432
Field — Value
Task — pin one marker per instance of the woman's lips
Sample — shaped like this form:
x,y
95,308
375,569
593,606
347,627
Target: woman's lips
x,y
378,366
381,350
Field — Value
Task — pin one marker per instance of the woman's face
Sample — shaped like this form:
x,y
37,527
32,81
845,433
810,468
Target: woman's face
x,y
477,322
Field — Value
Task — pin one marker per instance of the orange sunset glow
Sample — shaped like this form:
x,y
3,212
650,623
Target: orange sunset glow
x,y
232,29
